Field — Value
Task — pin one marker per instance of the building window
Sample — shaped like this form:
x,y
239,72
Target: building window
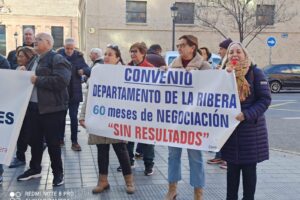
x,y
185,13
265,15
2,40
136,11
57,33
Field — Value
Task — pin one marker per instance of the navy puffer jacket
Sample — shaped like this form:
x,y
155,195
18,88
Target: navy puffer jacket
x,y
78,62
249,142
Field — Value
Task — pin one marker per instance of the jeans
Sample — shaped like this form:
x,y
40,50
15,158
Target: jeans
x,y
139,148
197,175
122,154
148,153
1,169
73,112
233,181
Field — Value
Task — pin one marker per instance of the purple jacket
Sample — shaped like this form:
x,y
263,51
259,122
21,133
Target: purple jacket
x,y
249,142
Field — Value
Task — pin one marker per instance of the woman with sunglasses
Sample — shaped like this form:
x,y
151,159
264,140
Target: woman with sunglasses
x,y
138,53
112,56
189,59
248,144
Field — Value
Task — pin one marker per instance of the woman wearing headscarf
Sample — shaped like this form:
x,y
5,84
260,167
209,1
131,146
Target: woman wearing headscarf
x,y
248,144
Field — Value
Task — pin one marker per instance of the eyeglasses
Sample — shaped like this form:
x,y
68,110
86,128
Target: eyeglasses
x,y
113,46
133,51
182,45
38,39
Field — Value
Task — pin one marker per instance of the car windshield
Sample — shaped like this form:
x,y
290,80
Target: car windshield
x,y
266,69
171,58
296,69
277,69
216,60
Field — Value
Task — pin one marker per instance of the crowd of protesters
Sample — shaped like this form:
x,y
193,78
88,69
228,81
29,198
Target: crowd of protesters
x,y
58,91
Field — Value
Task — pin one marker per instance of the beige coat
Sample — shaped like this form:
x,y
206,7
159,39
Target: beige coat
x,y
197,63
95,139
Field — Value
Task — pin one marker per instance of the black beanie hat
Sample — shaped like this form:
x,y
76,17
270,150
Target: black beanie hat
x,y
225,43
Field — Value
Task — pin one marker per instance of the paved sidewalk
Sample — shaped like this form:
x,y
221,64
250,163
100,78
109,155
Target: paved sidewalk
x,y
278,178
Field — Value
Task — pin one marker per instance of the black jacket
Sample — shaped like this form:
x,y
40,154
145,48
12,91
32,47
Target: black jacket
x,y
155,59
99,61
53,76
4,63
77,61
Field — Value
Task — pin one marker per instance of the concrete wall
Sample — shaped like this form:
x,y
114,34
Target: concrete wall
x,y
105,23
42,14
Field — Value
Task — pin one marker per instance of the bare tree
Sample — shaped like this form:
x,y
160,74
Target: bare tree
x,y
248,17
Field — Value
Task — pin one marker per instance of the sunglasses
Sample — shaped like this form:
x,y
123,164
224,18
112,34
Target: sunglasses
x,y
182,45
113,46
133,51
38,39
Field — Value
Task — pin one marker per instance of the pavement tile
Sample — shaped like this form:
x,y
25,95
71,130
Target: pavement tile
x,y
278,178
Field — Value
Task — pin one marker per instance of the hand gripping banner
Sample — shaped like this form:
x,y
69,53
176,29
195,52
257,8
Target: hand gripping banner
x,y
195,109
15,92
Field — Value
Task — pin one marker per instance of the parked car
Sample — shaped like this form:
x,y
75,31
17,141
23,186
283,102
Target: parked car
x,y
171,55
283,76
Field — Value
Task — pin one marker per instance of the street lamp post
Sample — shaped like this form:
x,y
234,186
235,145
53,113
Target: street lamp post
x,y
16,39
174,11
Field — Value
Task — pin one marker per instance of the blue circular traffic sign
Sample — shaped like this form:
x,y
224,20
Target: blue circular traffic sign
x,y
271,41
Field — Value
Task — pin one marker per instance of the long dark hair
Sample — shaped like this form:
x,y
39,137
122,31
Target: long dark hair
x,y
207,52
116,49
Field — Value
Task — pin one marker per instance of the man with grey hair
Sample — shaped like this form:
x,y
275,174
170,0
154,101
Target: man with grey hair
x,y
79,68
96,56
28,41
47,107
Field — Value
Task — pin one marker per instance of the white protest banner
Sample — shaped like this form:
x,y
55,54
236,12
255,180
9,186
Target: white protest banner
x,y
193,110
15,92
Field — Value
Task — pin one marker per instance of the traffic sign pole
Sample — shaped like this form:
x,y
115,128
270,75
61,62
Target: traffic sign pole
x,y
270,55
271,42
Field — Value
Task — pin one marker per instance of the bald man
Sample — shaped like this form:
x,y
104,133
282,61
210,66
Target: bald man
x,y
47,107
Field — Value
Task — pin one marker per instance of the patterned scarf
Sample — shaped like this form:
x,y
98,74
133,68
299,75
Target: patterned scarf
x,y
241,68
